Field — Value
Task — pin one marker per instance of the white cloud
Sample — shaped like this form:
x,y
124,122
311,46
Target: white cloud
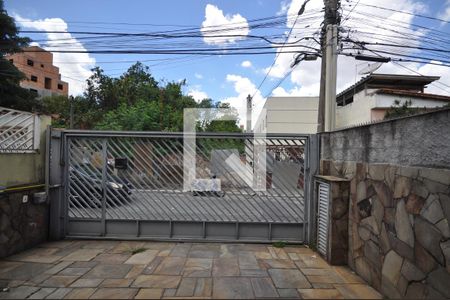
x,y
197,94
198,76
244,87
74,67
283,8
442,86
306,75
246,64
228,25
445,13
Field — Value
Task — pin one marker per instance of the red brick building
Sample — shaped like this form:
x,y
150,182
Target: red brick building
x,y
42,77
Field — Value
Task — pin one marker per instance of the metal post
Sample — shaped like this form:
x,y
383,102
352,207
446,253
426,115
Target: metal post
x,y
312,161
71,112
104,186
47,161
330,77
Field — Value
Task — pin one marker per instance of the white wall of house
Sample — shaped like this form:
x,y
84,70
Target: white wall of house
x,y
360,111
388,100
288,115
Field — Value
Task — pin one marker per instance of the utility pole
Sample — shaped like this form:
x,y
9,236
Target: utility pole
x,y
249,114
332,17
330,77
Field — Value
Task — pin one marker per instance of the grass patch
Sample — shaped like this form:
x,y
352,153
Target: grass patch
x,y
137,250
312,246
279,244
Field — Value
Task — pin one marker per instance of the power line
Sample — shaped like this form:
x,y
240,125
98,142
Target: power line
x,y
279,82
302,8
411,70
165,36
418,73
406,13
396,46
349,13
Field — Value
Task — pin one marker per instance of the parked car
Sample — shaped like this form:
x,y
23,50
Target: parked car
x,y
90,188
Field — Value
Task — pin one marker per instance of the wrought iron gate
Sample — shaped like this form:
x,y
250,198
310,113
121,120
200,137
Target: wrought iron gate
x,y
132,185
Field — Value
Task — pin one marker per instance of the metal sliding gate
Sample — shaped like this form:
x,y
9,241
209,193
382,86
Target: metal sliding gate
x,y
133,185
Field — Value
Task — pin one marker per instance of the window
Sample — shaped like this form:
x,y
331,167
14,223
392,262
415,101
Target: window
x,y
11,60
48,83
30,62
33,78
42,65
60,86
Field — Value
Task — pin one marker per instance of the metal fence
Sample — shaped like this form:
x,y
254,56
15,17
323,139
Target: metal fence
x,y
18,131
132,184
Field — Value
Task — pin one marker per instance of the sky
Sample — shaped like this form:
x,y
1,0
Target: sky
x,y
230,78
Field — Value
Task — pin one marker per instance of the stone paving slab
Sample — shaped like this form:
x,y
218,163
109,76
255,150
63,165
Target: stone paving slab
x,y
232,288
80,293
108,269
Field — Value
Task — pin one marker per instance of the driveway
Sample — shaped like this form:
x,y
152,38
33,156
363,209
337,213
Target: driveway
x,y
133,269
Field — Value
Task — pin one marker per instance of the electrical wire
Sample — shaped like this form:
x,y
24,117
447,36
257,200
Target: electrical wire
x,y
278,52
406,13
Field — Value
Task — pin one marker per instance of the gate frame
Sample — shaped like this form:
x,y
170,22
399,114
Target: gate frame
x,y
57,141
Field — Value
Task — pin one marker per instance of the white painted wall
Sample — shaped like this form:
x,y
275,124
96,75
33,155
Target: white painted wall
x,y
388,100
288,115
356,112
363,102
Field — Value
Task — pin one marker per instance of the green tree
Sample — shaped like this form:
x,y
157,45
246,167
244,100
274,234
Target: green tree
x,y
143,116
136,101
59,108
136,84
101,90
11,94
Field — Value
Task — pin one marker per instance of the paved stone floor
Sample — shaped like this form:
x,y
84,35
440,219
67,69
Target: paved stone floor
x,y
133,269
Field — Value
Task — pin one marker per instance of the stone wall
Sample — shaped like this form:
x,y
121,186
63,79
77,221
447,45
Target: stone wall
x,y
22,225
399,206
399,235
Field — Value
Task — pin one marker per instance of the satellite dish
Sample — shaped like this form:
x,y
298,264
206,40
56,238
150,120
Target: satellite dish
x,y
370,68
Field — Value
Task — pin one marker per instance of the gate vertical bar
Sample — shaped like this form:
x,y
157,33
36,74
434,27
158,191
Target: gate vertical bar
x,y
65,162
56,196
312,163
104,187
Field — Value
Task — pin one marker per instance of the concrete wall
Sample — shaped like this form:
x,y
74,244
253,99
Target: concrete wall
x,y
25,168
359,111
421,140
23,224
288,115
399,206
